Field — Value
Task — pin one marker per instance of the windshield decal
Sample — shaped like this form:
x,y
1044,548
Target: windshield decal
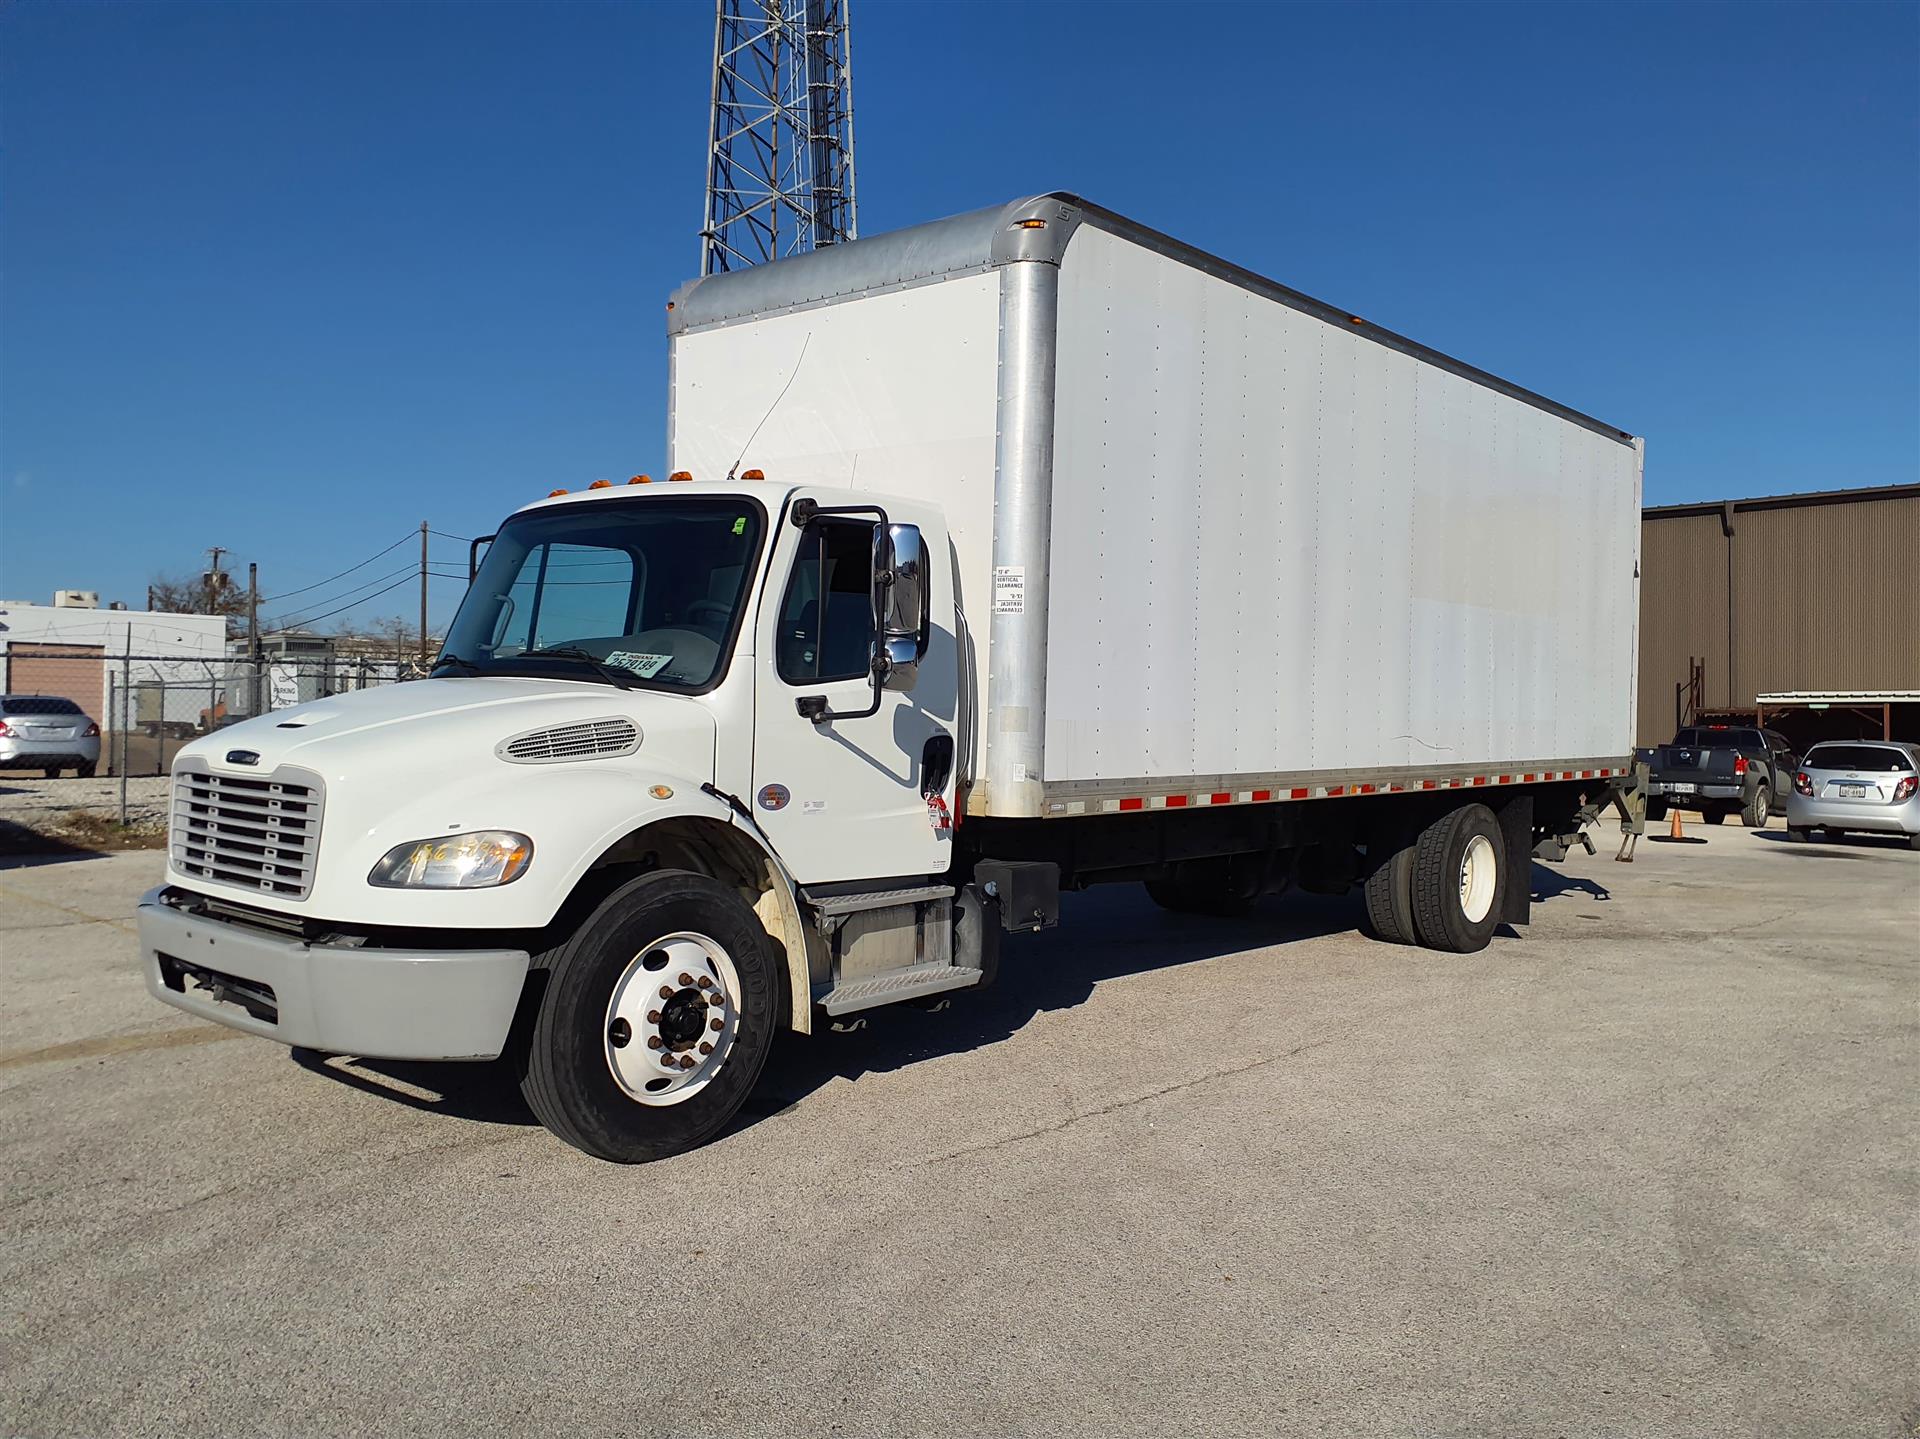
x,y
646,666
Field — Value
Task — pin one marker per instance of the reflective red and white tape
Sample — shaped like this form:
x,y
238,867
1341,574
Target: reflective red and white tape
x,y
1128,803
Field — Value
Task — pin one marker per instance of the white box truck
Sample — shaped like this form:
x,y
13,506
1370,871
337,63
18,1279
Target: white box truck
x,y
1019,552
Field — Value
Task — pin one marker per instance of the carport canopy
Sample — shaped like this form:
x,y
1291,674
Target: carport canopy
x,y
1871,706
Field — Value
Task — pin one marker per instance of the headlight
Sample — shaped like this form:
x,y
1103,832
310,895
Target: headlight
x,y
478,860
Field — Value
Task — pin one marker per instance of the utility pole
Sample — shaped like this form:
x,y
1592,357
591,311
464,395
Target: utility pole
x,y
424,656
214,580
253,635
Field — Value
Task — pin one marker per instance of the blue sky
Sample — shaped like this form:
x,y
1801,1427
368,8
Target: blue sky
x,y
291,278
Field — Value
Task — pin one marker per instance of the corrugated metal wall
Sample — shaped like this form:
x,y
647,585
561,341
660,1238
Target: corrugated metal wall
x,y
1821,592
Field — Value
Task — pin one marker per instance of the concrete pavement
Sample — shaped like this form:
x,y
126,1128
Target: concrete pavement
x,y
1648,1170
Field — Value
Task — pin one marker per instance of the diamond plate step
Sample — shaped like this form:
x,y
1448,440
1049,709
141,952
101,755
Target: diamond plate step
x,y
877,898
850,995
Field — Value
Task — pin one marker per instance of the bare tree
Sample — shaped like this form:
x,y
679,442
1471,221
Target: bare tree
x,y
198,595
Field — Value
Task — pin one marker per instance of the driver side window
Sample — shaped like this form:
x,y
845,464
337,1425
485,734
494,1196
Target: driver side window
x,y
826,616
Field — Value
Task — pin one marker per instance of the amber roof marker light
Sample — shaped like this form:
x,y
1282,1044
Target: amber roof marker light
x,y
680,475
754,475
641,480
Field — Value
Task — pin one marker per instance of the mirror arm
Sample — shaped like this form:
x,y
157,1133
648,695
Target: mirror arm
x,y
814,707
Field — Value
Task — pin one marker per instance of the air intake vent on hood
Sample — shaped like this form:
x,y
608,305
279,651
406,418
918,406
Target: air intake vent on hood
x,y
590,739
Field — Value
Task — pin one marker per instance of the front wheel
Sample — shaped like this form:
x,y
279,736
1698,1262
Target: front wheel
x,y
656,1020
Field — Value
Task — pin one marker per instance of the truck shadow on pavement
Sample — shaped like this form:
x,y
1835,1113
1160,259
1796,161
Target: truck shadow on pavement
x,y
1105,934
1549,882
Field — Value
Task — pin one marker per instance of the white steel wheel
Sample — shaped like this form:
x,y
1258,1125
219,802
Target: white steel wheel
x,y
672,1018
1479,877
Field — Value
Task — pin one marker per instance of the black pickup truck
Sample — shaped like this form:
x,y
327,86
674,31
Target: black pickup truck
x,y
1720,770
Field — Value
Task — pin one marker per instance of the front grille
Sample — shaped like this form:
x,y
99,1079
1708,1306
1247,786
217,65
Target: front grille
x,y
261,834
590,739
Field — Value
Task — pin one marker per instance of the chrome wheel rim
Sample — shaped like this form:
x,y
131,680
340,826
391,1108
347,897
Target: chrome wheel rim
x,y
672,1019
1478,876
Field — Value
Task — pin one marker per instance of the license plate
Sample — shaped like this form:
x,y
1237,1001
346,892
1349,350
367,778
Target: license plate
x,y
1680,789
1853,791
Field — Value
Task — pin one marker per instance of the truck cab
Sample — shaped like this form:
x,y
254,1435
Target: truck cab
x,y
753,688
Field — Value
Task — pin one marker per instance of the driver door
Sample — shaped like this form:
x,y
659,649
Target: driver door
x,y
843,799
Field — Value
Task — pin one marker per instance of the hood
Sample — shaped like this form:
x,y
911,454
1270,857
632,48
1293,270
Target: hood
x,y
406,761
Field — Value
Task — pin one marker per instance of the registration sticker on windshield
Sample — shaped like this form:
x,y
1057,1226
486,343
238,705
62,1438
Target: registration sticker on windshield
x,y
646,666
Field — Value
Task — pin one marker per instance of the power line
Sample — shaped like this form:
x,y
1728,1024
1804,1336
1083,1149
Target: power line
x,y
464,539
406,579
317,584
365,585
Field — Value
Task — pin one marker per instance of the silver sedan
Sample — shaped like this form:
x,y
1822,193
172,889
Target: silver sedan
x,y
1867,785
47,733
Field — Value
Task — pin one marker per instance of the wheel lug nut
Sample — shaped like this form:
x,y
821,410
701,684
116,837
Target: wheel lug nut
x,y
705,983
686,1061
669,1061
653,1041
705,1048
666,991
653,1016
718,1025
685,980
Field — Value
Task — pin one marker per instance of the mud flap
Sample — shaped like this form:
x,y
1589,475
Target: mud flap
x,y
1516,846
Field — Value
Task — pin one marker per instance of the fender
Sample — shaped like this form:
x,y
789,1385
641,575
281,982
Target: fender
x,y
695,830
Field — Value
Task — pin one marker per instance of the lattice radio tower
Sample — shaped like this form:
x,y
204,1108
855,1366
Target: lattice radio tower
x,y
780,146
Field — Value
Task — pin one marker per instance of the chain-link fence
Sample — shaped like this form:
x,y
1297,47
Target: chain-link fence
x,y
148,706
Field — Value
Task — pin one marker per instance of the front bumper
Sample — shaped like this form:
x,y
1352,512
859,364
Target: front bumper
x,y
375,1003
1902,818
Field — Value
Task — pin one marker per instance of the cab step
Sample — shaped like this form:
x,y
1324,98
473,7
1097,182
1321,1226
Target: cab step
x,y
914,982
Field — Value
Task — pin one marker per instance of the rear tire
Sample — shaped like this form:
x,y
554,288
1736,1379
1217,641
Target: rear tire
x,y
1913,841
606,967
1754,813
1389,894
1459,880
1656,810
51,773
1714,816
1798,835
84,772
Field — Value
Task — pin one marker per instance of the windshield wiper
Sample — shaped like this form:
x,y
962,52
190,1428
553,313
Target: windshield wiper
x,y
466,664
614,675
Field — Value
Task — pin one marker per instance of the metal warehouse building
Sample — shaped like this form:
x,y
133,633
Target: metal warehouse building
x,y
1802,610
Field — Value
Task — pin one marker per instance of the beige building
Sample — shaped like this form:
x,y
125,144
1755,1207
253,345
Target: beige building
x,y
1812,595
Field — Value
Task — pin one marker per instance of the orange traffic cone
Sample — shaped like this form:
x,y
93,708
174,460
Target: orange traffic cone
x,y
1673,830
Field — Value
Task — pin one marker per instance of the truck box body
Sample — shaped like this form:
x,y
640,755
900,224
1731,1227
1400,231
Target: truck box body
x,y
1213,537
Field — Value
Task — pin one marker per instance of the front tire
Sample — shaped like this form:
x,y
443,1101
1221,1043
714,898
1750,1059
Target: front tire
x,y
656,1020
1459,880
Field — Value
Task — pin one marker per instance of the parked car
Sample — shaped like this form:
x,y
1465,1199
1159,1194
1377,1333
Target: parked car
x,y
47,733
1720,770
1872,786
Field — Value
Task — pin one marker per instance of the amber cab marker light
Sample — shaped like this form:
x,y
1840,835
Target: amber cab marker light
x,y
681,475
754,475
1029,224
1355,320
601,485
641,480
555,494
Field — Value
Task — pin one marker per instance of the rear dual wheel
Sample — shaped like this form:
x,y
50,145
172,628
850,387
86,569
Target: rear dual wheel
x,y
1445,888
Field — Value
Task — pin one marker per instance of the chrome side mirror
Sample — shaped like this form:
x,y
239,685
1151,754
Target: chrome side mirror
x,y
902,603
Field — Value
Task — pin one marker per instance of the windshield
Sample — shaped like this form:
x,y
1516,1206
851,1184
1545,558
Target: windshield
x,y
649,588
